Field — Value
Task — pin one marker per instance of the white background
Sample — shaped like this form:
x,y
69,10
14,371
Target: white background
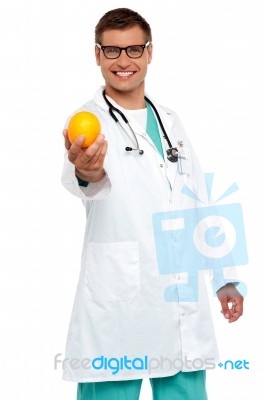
x,y
209,66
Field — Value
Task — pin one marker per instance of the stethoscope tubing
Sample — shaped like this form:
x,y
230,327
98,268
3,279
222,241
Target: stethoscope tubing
x,y
113,109
160,122
172,152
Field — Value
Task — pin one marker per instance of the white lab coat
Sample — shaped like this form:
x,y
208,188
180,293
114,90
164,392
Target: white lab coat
x,y
119,308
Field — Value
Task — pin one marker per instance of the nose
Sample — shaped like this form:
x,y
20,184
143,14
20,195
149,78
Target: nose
x,y
123,60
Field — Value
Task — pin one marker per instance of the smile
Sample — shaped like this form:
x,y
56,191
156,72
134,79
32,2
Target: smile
x,y
123,74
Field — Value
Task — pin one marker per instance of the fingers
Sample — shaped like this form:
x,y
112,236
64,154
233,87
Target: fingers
x,y
75,149
89,161
229,295
98,160
232,314
237,309
225,309
93,156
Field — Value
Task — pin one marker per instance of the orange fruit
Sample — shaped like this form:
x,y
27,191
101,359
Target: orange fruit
x,y
86,124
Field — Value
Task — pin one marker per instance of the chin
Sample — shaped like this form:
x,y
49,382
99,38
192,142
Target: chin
x,y
126,86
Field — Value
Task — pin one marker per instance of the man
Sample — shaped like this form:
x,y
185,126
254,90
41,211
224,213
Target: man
x,y
124,325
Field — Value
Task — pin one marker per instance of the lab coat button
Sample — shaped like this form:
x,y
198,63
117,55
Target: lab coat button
x,y
161,165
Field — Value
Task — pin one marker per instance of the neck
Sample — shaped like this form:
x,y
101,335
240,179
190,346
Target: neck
x,y
129,100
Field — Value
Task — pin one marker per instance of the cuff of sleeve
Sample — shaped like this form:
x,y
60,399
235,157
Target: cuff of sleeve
x,y
93,191
82,182
97,190
229,275
219,285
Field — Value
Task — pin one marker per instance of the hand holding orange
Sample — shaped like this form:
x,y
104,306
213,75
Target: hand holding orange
x,y
85,124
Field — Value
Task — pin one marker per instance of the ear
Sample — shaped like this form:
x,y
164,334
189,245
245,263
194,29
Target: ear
x,y
97,55
150,50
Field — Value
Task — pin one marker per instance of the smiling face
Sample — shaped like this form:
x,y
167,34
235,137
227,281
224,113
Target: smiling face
x,y
124,76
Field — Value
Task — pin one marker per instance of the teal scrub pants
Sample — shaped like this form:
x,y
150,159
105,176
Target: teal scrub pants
x,y
182,386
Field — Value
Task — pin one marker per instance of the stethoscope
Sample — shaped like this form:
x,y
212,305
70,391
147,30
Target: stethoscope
x,y
172,152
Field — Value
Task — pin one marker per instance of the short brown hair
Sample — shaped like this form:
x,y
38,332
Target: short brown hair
x,y
121,18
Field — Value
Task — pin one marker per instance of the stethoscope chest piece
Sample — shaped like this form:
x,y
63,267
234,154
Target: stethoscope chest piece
x,y
172,154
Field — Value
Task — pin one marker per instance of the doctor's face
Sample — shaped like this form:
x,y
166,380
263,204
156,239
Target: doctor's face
x,y
124,74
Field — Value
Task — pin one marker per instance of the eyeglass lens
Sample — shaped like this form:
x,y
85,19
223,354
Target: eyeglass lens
x,y
132,51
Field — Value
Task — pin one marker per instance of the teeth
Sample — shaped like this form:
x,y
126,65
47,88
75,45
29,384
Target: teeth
x,y
124,73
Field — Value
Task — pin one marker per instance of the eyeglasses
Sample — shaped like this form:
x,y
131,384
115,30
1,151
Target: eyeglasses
x,y
112,52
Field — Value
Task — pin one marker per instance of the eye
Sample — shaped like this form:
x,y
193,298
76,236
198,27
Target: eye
x,y
135,50
111,50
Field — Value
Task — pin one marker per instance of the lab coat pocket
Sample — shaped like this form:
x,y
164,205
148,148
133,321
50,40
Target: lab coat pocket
x,y
112,271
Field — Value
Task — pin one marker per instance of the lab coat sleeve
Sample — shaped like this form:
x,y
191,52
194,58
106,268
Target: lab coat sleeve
x,y
229,276
94,191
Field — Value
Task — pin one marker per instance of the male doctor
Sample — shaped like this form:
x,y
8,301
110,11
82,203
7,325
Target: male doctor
x,y
131,172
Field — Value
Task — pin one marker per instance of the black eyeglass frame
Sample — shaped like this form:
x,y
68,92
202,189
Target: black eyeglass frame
x,y
143,46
